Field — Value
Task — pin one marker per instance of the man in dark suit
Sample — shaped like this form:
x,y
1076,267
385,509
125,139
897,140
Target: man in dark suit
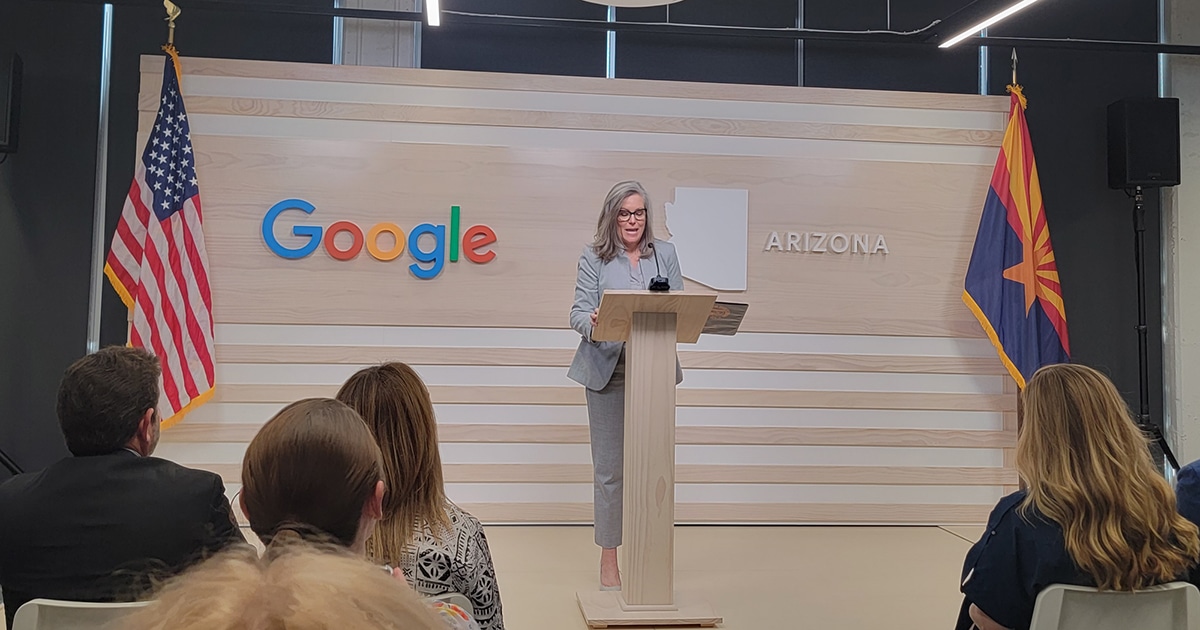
x,y
103,524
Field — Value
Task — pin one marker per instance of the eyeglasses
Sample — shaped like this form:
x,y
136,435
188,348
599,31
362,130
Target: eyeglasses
x,y
623,214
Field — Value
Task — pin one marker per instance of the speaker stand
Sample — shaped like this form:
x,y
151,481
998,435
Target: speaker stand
x,y
1139,253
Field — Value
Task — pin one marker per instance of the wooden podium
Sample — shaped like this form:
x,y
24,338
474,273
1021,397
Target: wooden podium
x,y
650,324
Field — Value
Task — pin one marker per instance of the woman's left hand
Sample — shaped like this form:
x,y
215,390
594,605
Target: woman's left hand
x,y
982,621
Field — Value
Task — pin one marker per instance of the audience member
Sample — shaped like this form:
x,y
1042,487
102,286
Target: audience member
x,y
102,524
1187,491
315,472
440,547
295,585
1094,511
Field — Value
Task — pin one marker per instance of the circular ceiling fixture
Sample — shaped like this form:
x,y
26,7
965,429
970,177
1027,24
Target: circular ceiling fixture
x,y
634,3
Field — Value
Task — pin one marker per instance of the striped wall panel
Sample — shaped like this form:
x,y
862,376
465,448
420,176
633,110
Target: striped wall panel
x,y
858,391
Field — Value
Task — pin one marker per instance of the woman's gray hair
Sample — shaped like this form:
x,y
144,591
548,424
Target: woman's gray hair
x,y
608,243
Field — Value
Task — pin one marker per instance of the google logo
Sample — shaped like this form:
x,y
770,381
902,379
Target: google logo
x,y
429,261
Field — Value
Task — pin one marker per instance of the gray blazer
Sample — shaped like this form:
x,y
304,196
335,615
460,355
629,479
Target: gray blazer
x,y
595,361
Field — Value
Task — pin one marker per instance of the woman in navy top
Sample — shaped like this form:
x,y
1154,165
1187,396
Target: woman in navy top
x,y
1095,511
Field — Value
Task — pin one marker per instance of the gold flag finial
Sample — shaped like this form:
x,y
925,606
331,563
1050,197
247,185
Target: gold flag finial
x,y
1014,66
172,13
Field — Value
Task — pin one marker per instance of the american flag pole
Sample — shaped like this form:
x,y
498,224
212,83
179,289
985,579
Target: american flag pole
x,y
158,262
100,201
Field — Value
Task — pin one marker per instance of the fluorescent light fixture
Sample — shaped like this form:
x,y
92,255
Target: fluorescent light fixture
x,y
433,12
986,23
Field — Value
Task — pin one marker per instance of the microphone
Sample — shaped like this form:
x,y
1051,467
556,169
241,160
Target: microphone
x,y
658,283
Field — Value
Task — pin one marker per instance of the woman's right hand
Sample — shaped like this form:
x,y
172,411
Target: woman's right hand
x,y
397,574
594,313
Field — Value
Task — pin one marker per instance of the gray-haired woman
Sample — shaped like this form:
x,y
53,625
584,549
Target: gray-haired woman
x,y
620,257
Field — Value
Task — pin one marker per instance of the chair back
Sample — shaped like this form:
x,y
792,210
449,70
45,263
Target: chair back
x,y
54,614
1174,606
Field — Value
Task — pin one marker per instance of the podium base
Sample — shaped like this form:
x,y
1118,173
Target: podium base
x,y
602,609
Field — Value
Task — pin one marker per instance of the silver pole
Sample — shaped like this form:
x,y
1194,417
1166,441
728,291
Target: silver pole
x,y
95,297
610,51
417,26
1163,38
1168,203
983,67
339,33
800,44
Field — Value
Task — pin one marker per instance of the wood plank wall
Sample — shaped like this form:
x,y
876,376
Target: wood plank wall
x,y
860,390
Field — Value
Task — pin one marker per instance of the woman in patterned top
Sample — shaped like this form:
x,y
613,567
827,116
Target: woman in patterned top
x,y
440,547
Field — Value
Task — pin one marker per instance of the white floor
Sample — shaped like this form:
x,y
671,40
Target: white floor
x,y
757,578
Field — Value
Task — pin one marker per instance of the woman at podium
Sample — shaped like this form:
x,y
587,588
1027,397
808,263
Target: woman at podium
x,y
624,255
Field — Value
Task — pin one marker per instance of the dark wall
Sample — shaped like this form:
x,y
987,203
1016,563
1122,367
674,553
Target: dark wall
x,y
714,59
908,68
46,193
523,49
47,189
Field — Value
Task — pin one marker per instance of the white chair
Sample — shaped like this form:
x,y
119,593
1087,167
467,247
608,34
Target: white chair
x,y
1174,606
54,614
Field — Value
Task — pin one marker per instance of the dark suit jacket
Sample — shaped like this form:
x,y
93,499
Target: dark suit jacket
x,y
99,528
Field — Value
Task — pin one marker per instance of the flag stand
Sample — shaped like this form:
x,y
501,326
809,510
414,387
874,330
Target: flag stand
x,y
1139,253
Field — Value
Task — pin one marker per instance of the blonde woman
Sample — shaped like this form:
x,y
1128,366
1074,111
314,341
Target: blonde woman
x,y
1095,511
439,546
294,585
624,255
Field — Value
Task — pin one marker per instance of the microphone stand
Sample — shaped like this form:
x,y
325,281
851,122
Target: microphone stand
x,y
1139,253
658,283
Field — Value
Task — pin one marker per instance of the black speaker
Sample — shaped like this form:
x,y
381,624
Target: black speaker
x,y
1143,143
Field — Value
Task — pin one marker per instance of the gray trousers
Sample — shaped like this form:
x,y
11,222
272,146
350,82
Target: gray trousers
x,y
606,420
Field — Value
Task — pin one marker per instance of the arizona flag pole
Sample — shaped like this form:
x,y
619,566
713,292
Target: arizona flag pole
x,y
1012,283
158,262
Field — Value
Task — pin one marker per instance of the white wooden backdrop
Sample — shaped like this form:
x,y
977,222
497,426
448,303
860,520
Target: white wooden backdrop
x,y
860,391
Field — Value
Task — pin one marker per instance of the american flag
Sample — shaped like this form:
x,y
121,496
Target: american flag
x,y
158,262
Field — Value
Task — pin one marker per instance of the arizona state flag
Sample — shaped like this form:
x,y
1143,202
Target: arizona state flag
x,y
1012,283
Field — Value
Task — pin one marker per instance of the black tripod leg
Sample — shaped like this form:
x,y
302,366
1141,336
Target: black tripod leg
x,y
8,463
1139,253
1161,442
